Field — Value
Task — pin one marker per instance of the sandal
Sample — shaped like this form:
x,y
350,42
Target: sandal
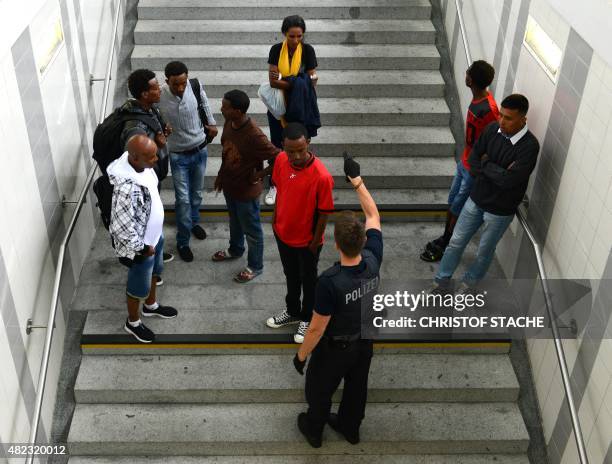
x,y
223,255
246,275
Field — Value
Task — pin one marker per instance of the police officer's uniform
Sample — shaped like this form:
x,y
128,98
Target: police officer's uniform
x,y
341,353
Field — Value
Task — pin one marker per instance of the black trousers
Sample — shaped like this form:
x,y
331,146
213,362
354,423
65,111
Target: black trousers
x,y
276,131
326,368
300,269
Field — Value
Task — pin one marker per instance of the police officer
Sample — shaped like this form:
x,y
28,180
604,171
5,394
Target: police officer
x,y
333,337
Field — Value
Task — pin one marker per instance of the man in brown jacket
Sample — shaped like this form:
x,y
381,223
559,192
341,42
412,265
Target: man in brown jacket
x,y
245,148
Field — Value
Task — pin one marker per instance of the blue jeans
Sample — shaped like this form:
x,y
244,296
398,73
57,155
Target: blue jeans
x,y
141,272
245,220
470,219
188,175
460,189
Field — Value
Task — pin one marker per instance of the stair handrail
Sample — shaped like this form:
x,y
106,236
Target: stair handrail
x,y
547,298
44,364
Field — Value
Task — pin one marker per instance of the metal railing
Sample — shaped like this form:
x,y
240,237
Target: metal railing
x,y
44,365
565,377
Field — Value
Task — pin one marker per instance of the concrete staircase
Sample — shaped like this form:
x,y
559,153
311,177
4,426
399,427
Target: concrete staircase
x,y
381,95
218,386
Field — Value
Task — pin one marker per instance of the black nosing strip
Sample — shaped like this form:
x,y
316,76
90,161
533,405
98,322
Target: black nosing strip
x,y
255,339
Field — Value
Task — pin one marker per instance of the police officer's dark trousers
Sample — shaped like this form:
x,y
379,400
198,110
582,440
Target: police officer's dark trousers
x,y
329,364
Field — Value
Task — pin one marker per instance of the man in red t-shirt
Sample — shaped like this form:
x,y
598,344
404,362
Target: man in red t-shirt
x,y
303,201
481,112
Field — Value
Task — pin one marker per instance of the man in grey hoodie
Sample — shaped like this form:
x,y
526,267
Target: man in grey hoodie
x,y
136,226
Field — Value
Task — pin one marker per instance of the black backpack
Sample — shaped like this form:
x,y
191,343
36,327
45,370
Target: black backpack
x,y
107,143
107,147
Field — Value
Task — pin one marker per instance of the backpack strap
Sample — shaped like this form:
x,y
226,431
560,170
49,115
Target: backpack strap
x,y
195,87
154,125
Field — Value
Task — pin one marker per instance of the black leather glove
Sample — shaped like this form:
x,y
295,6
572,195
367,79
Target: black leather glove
x,y
351,167
299,365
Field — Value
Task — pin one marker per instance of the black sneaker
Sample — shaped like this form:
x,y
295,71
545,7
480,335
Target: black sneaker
x,y
141,332
167,312
334,423
304,426
198,232
168,257
281,320
186,254
437,243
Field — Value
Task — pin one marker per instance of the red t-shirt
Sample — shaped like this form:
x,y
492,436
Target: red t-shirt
x,y
479,115
301,195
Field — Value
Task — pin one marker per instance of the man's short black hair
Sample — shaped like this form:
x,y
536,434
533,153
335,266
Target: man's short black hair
x,y
138,82
295,131
481,73
293,21
238,100
516,101
175,68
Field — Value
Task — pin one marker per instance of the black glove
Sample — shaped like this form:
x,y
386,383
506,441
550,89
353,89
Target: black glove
x,y
351,167
299,365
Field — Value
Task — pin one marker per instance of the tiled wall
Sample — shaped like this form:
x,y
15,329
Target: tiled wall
x,y
570,195
46,125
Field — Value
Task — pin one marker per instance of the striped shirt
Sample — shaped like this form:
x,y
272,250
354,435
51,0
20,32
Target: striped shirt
x,y
182,114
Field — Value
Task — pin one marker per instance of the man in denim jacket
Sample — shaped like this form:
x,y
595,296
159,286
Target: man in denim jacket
x,y
137,218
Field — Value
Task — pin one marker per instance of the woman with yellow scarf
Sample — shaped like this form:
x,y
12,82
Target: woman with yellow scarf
x,y
288,58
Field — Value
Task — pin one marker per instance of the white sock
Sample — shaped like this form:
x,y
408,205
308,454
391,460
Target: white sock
x,y
135,323
152,307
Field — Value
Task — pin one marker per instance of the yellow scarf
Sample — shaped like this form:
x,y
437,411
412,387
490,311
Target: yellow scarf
x,y
283,61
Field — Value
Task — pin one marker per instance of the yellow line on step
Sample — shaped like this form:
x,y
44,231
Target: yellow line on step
x,y
289,345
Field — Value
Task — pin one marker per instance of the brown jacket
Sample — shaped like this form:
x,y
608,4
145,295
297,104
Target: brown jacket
x,y
244,151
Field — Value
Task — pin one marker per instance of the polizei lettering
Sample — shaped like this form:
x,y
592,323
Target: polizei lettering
x,y
367,286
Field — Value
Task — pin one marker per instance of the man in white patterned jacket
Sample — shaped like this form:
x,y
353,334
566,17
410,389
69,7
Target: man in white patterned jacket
x,y
137,218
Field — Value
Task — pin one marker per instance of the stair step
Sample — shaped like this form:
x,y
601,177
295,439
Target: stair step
x,y
102,278
326,31
414,143
331,84
257,9
239,331
386,199
254,57
362,111
246,429
269,379
309,459
382,172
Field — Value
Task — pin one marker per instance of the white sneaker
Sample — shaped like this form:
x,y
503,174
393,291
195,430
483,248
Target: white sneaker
x,y
301,331
281,320
270,197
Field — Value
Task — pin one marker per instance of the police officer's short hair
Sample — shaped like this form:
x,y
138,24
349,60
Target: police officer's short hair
x,y
349,233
